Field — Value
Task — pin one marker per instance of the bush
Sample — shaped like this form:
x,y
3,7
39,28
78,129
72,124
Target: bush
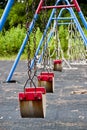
x,y
34,41
11,41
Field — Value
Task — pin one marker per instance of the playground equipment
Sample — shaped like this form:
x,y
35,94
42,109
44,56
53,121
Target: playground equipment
x,y
76,48
57,65
46,79
32,100
33,103
5,13
39,8
78,28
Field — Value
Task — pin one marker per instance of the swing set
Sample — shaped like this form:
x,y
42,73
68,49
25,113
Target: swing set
x,y
32,100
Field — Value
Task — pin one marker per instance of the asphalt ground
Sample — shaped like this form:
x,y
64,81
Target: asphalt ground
x,y
66,108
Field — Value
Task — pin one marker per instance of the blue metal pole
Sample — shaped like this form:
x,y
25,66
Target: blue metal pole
x,y
22,48
83,19
63,18
25,41
79,28
80,13
78,25
5,13
44,34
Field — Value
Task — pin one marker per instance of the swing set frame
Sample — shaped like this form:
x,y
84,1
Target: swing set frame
x,y
31,26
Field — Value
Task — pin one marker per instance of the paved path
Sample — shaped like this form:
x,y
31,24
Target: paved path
x,y
66,108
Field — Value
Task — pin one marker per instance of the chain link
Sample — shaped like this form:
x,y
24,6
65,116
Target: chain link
x,y
34,42
31,74
46,57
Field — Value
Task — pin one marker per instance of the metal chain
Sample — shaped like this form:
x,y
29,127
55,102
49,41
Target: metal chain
x,y
45,46
57,39
27,13
76,50
30,76
43,25
34,42
47,49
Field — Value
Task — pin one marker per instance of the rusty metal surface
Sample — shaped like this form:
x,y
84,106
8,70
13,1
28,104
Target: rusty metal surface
x,y
66,108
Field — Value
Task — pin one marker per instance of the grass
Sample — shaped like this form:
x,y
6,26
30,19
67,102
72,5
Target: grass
x,y
13,57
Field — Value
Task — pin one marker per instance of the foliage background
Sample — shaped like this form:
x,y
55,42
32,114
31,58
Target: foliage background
x,y
14,30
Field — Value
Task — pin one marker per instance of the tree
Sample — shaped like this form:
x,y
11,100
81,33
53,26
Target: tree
x,y
3,3
82,1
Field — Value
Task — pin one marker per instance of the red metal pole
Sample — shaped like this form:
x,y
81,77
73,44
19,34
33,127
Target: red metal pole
x,y
39,7
77,5
59,6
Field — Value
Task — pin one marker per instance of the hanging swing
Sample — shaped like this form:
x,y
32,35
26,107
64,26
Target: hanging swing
x,y
57,63
46,77
32,101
